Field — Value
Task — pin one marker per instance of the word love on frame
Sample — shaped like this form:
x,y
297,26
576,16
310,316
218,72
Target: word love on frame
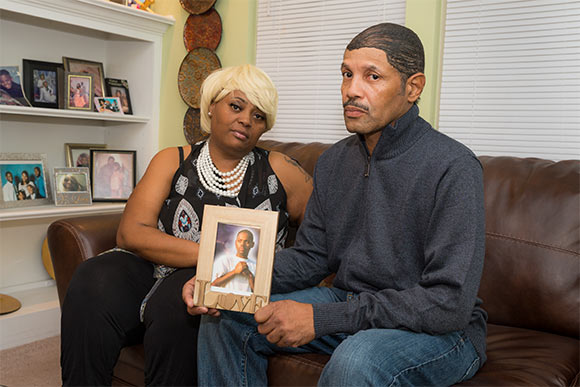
x,y
236,256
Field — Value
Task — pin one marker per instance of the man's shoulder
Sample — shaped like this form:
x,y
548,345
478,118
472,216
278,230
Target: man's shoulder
x,y
338,149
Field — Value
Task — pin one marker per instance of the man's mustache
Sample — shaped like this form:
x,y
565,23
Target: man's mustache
x,y
351,102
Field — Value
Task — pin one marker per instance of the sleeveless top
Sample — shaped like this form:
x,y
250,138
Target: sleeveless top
x,y
181,214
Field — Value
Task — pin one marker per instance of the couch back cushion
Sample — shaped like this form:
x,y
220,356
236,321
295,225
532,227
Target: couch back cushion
x,y
531,276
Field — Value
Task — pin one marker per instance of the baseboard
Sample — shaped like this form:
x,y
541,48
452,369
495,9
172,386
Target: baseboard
x,y
38,318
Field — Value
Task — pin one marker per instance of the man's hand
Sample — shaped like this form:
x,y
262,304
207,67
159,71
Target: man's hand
x,y
286,323
187,296
240,267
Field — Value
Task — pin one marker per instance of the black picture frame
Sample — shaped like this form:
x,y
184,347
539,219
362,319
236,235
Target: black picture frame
x,y
119,88
36,72
74,65
113,174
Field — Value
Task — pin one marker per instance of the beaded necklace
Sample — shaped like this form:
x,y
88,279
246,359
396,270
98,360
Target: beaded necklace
x,y
226,184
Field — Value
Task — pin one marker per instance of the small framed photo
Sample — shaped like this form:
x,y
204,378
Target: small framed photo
x,y
236,257
88,67
79,88
72,187
41,82
119,88
112,174
79,155
111,105
11,91
24,181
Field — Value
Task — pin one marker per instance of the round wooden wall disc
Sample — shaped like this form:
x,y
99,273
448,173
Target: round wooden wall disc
x,y
8,304
192,127
197,6
196,66
203,30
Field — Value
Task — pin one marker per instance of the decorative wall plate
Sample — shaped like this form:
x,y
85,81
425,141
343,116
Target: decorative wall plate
x,y
203,30
196,66
192,127
197,7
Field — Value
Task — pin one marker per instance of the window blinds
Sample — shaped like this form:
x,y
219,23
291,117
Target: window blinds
x,y
300,44
511,77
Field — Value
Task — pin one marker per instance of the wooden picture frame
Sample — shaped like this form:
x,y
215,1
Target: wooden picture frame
x,y
120,88
79,155
72,186
35,191
41,83
78,88
113,174
221,252
88,67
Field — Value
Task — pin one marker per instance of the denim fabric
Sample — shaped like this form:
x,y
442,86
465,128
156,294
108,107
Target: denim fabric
x,y
232,353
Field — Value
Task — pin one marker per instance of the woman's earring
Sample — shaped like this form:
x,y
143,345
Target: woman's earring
x,y
209,114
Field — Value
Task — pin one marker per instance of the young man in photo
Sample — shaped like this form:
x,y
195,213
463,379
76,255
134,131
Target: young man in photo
x,y
9,189
236,272
397,213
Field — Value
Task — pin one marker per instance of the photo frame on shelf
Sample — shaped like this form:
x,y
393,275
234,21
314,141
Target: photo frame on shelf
x,y
113,174
41,82
119,88
79,155
234,239
23,178
78,88
89,67
108,105
11,90
72,187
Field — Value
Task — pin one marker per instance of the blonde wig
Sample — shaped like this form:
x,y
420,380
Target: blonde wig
x,y
255,83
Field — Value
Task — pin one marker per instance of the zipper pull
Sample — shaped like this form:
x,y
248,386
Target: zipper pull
x,y
368,167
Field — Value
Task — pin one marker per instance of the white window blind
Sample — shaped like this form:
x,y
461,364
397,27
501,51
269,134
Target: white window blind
x,y
300,44
511,77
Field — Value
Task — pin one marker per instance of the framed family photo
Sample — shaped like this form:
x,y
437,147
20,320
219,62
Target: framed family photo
x,y
41,83
88,67
236,257
24,182
111,105
113,174
79,155
72,187
79,88
119,88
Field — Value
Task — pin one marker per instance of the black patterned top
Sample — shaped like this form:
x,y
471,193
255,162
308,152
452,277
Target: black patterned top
x,y
182,212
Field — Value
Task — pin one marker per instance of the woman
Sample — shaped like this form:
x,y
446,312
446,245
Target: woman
x,y
120,298
24,182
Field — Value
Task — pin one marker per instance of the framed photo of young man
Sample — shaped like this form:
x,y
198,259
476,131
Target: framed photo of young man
x,y
236,257
23,178
112,174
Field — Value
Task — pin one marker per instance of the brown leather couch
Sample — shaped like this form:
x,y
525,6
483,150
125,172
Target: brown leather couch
x,y
530,285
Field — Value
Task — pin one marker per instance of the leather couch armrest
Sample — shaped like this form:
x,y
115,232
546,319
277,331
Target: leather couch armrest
x,y
74,240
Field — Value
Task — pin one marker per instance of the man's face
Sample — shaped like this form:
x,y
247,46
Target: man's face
x,y
6,81
9,177
372,93
244,242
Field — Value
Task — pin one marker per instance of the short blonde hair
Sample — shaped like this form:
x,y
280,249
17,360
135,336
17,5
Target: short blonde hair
x,y
255,83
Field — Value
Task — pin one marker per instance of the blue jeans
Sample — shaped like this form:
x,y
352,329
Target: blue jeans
x,y
232,353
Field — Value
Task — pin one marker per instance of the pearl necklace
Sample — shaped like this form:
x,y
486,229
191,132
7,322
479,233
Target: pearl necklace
x,y
226,184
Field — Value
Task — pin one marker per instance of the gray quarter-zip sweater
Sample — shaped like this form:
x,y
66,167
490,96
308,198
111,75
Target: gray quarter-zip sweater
x,y
402,228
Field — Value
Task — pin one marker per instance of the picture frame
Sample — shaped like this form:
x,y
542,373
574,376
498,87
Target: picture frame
x,y
215,285
119,88
113,174
41,83
72,186
74,65
108,105
27,185
78,88
11,89
79,155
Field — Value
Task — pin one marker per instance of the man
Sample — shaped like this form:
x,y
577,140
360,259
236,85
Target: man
x,y
39,181
8,85
236,272
8,189
397,213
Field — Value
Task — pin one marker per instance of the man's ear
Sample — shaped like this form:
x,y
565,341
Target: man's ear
x,y
415,86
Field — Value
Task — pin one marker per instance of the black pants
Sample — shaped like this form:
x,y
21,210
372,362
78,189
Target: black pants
x,y
100,315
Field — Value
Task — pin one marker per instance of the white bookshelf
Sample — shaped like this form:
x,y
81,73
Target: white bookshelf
x,y
129,43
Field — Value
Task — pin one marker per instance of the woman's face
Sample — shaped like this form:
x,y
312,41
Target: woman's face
x,y
24,176
236,124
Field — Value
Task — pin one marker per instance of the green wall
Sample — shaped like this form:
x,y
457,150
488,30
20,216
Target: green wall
x,y
238,46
